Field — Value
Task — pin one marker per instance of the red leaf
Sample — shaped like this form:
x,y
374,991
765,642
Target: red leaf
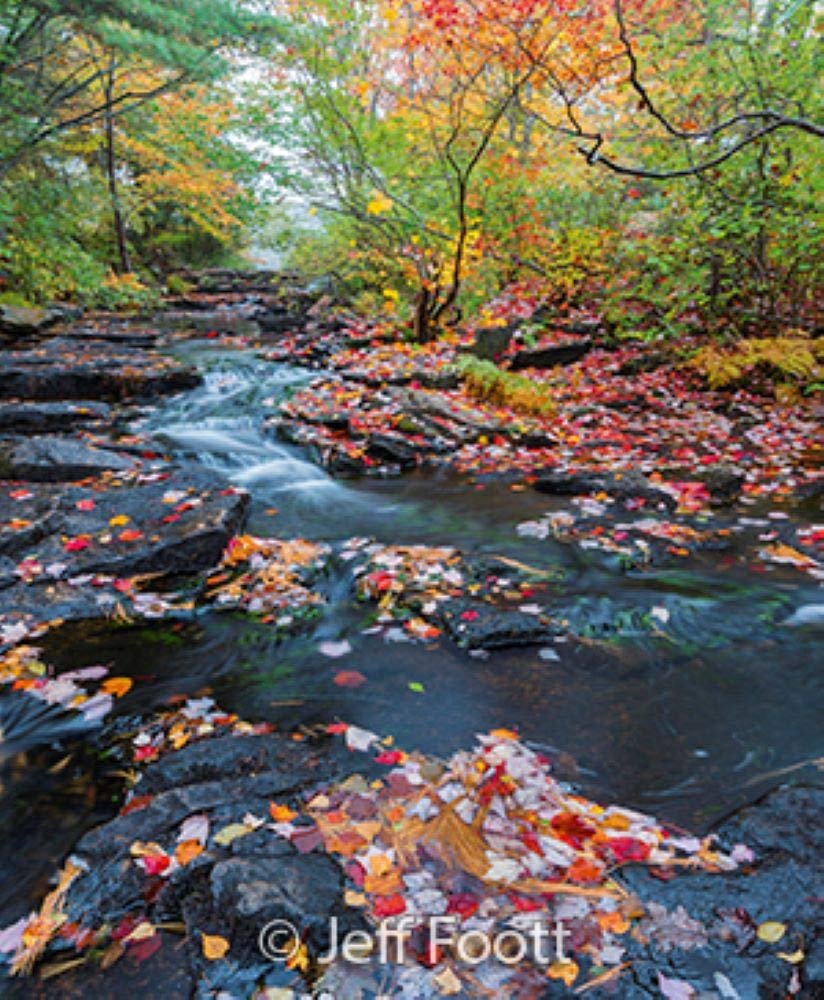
x,y
349,679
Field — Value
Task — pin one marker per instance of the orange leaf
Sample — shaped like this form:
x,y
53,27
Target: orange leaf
x,y
188,850
117,686
214,946
281,814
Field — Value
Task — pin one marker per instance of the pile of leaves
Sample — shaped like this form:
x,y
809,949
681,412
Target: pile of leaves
x,y
493,840
410,578
639,539
269,577
23,669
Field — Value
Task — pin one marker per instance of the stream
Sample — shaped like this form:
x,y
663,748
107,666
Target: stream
x,y
687,730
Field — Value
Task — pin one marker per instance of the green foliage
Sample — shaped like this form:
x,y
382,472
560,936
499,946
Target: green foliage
x,y
177,285
488,383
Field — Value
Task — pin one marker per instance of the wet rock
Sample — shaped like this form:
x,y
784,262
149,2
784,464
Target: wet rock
x,y
621,486
40,418
784,831
446,379
232,890
67,369
174,522
550,357
723,483
393,448
648,361
478,625
23,321
51,459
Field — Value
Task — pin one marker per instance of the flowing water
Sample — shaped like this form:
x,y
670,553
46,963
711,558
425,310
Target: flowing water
x,y
687,729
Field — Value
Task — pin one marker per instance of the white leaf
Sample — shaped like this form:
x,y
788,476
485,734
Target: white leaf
x,y
675,989
195,828
360,739
335,649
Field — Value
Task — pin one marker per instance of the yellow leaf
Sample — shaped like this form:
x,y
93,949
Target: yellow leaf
x,y
566,970
119,520
379,204
214,946
448,983
771,931
794,958
142,932
231,832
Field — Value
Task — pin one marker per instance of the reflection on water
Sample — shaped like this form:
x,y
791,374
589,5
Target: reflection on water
x,y
688,728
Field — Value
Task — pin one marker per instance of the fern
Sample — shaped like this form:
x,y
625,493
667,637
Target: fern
x,y
794,357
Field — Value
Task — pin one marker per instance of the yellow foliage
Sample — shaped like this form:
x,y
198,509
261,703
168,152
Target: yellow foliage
x,y
795,356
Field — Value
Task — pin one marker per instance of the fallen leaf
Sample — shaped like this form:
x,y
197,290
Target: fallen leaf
x,y
771,931
349,678
335,649
214,946
117,686
229,833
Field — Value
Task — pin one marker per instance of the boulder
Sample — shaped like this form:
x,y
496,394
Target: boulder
x,y
621,486
492,341
478,625
550,357
723,484
784,831
24,321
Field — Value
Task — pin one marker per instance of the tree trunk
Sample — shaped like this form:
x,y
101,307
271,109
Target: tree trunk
x,y
422,328
124,264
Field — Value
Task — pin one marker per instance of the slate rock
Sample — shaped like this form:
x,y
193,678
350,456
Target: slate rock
x,y
491,627
45,417
66,369
21,321
621,486
53,458
723,483
550,357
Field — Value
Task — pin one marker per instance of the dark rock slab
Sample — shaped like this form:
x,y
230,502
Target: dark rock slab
x,y
478,625
183,518
784,831
550,357
622,486
66,369
45,417
53,458
232,890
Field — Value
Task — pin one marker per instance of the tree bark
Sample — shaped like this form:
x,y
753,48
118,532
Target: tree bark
x,y
123,265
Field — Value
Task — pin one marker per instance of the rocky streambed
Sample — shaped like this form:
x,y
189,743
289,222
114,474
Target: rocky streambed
x,y
655,641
